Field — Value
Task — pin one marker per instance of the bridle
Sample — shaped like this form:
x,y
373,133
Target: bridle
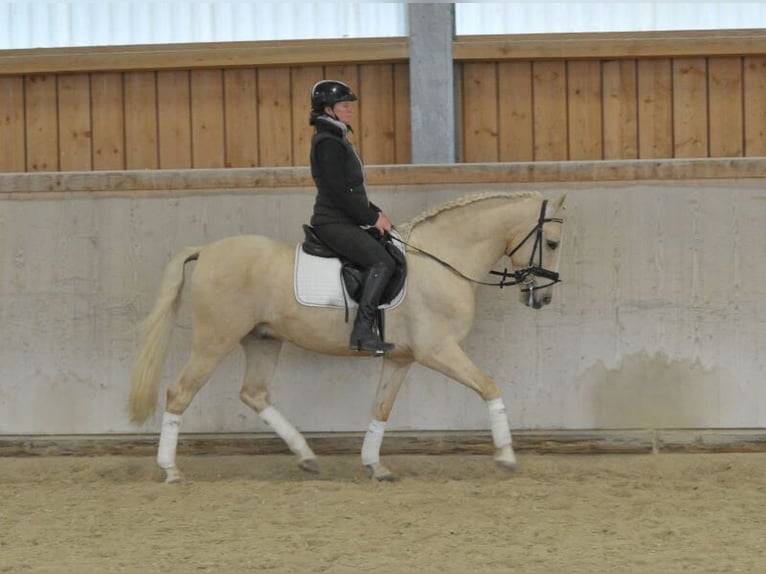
x,y
526,276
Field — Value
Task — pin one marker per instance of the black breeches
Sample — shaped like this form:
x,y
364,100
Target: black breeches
x,y
356,245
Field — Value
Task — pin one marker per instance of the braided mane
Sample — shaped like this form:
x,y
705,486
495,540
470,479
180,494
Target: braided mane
x,y
407,228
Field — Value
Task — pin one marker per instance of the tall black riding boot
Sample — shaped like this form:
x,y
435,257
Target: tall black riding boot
x,y
364,336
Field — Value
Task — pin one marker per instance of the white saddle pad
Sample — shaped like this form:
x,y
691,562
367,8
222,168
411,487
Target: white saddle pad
x,y
318,282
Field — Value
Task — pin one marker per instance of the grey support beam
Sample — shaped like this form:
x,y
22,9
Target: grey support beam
x,y
432,86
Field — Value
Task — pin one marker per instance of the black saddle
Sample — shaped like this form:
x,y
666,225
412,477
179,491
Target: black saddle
x,y
352,274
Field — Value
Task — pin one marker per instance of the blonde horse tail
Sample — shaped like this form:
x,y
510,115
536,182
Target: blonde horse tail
x,y
156,330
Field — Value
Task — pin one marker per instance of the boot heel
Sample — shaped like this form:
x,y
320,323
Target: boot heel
x,y
376,347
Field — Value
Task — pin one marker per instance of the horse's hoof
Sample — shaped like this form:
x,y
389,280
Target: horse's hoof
x,y
309,465
506,465
173,476
381,473
505,458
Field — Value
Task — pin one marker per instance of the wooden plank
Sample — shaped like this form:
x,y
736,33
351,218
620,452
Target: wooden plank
x,y
274,116
207,118
174,140
584,110
403,443
711,440
202,182
515,115
205,55
41,123
303,79
396,443
377,113
544,441
755,106
344,73
140,120
584,442
74,113
361,50
726,116
402,114
690,108
655,109
620,111
12,152
108,121
550,111
479,114
612,45
240,118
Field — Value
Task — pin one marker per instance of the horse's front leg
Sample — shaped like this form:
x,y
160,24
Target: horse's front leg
x,y
391,378
450,359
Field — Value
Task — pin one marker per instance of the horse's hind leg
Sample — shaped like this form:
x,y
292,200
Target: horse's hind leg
x,y
391,379
261,361
195,374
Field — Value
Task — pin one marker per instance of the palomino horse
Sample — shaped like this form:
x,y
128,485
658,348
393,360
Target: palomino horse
x,y
242,294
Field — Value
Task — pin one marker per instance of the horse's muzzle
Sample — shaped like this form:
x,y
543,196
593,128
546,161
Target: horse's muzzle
x,y
536,298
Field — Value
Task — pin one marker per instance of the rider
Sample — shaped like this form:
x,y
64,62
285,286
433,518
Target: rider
x,y
342,210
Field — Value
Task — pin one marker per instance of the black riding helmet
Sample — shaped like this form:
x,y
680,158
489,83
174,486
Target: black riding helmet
x,y
328,93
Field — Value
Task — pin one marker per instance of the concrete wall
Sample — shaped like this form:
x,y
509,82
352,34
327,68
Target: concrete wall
x,y
660,321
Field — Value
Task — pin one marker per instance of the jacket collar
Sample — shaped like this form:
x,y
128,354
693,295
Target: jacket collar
x,y
333,125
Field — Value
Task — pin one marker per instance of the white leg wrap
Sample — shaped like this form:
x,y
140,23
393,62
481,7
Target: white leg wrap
x,y
501,432
373,438
287,432
166,451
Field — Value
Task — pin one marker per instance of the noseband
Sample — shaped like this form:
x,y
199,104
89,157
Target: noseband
x,y
527,275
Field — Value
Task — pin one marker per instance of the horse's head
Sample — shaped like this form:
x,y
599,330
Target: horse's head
x,y
534,249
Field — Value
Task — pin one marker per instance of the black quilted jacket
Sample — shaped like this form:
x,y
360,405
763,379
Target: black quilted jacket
x,y
339,176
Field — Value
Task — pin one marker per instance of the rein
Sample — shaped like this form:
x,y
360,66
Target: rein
x,y
525,276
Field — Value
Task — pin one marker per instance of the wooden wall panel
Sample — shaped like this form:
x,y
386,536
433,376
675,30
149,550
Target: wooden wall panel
x,y
690,108
515,113
511,107
655,109
302,80
274,117
75,131
141,121
12,131
240,117
174,120
620,110
402,115
584,109
207,118
41,123
479,112
550,111
107,121
376,82
725,105
755,106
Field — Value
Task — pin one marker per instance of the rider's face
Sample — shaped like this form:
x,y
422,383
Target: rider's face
x,y
343,111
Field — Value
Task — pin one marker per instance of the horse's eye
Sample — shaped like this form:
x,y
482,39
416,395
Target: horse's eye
x,y
552,245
